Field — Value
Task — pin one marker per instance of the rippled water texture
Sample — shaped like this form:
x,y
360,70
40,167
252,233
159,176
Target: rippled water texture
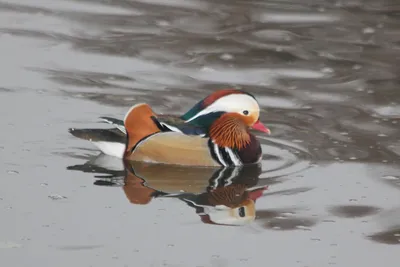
x,y
326,74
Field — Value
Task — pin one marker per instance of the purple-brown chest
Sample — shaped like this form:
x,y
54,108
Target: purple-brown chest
x,y
251,153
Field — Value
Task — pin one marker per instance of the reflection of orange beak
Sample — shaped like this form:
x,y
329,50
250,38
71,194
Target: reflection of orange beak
x,y
260,127
255,194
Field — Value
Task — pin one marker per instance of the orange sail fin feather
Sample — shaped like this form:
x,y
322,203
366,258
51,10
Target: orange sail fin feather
x,y
139,125
135,190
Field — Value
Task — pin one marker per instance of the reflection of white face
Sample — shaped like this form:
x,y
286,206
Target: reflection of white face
x,y
237,216
222,214
235,103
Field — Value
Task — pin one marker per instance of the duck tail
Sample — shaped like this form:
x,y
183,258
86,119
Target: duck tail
x,y
119,124
109,141
139,124
98,135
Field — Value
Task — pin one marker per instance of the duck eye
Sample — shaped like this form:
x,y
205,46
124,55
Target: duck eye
x,y
245,112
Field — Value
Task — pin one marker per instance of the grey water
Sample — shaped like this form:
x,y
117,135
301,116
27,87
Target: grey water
x,y
327,78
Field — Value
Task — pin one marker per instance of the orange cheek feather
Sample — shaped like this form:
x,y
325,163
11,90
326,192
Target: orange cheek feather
x,y
230,131
247,120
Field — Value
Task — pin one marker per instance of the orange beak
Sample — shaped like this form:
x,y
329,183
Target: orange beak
x,y
260,127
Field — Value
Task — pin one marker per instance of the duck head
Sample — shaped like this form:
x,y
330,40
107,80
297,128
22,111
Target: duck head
x,y
232,205
235,103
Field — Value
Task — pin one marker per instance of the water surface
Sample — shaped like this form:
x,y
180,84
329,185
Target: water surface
x,y
325,73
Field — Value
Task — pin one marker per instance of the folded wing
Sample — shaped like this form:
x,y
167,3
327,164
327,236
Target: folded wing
x,y
174,148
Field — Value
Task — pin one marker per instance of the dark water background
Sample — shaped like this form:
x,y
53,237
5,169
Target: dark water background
x,y
326,74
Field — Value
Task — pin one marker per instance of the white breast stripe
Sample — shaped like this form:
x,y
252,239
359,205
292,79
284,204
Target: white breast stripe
x,y
236,161
216,151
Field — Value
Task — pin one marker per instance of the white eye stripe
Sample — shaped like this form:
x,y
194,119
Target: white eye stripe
x,y
230,103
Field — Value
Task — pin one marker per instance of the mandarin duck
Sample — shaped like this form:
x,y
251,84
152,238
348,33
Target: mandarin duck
x,y
214,132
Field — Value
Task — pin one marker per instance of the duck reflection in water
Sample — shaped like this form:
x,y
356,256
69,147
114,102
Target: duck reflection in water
x,y
219,196
224,196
